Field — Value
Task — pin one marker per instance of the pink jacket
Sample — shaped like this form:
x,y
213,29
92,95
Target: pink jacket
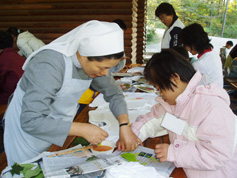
x,y
207,149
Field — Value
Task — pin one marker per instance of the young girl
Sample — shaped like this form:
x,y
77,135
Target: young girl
x,y
196,41
201,126
45,101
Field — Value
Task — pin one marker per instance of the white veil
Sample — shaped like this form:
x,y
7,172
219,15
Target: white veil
x,y
93,38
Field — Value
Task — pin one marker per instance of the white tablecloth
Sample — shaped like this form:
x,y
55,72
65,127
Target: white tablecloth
x,y
138,104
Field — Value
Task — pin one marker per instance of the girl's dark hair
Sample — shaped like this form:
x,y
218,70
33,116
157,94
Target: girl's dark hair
x,y
111,56
165,8
164,65
14,31
6,40
195,37
181,50
230,43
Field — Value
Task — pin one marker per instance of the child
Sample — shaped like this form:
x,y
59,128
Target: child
x,y
206,147
196,41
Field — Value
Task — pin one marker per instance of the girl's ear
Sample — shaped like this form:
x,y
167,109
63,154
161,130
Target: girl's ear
x,y
176,79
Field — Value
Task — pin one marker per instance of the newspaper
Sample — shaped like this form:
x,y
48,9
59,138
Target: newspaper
x,y
54,164
63,166
80,163
147,157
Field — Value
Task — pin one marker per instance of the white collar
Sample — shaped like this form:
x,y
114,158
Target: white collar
x,y
75,61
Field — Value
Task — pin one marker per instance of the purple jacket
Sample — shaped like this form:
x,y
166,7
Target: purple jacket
x,y
10,72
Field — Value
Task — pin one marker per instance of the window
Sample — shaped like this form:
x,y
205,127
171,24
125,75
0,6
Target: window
x,y
210,14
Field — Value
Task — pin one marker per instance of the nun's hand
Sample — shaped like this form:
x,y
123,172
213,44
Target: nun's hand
x,y
90,132
128,141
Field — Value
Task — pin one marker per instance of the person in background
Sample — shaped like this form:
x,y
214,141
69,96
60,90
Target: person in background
x,y
203,141
196,41
233,72
121,24
10,67
25,41
230,57
166,13
224,51
45,101
121,65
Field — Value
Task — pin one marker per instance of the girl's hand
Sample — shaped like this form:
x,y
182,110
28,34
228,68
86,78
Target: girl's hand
x,y
161,151
90,132
128,141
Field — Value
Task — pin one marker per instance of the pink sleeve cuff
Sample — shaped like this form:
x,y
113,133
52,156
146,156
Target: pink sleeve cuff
x,y
171,153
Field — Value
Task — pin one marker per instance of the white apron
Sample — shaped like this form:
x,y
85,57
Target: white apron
x,y
19,145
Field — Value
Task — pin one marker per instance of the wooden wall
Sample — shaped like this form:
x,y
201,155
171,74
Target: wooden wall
x,y
49,19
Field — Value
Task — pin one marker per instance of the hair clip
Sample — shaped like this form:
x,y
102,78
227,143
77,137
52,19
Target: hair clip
x,y
18,31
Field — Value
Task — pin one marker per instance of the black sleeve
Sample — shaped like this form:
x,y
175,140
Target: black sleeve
x,y
174,36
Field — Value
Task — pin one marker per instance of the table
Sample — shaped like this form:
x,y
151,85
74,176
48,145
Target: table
x,y
150,143
231,82
84,117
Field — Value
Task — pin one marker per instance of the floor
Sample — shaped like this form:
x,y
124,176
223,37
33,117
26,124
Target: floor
x,y
233,98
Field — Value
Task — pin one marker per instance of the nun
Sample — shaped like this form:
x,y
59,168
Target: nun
x,y
44,104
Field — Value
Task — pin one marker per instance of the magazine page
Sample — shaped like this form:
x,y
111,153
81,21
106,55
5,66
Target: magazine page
x,y
55,163
146,157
